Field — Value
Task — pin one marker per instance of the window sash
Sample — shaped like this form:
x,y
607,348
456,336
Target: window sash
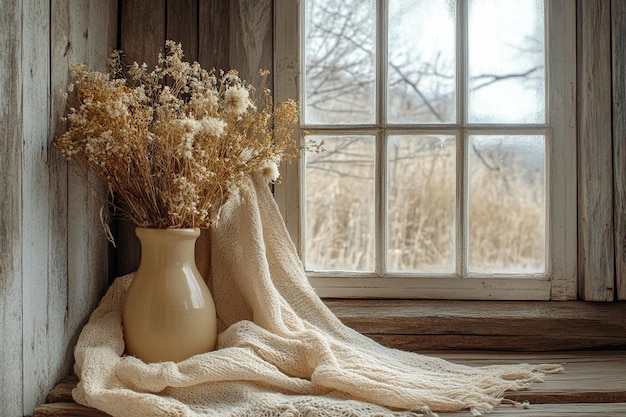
x,y
559,281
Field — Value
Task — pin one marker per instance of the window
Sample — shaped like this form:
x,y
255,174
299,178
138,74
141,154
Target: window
x,y
449,169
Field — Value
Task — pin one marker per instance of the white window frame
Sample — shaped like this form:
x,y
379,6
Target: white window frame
x,y
560,280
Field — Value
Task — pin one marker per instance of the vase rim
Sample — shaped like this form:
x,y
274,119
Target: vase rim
x,y
182,232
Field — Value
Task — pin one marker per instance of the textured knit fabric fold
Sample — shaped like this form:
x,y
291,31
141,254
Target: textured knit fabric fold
x,y
281,352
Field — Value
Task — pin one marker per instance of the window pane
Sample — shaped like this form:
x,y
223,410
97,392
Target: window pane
x,y
421,63
340,204
507,207
340,61
421,205
506,61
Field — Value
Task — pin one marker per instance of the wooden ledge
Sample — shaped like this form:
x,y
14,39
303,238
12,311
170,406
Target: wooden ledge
x,y
594,383
536,326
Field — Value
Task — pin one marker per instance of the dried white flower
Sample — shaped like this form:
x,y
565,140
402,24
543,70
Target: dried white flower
x,y
236,100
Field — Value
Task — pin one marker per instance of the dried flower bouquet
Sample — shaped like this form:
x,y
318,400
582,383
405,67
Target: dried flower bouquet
x,y
173,144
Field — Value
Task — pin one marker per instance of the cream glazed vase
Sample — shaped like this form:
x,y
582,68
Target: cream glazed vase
x,y
169,313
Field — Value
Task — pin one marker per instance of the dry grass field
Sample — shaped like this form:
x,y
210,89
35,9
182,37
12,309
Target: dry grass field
x,y
505,208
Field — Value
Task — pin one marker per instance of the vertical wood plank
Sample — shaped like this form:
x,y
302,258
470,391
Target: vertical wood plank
x,y
286,86
562,150
618,44
37,322
58,216
10,216
595,161
251,38
143,24
213,34
142,29
59,291
182,26
35,183
91,41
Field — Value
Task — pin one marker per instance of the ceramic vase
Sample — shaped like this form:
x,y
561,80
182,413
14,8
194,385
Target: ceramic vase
x,y
169,313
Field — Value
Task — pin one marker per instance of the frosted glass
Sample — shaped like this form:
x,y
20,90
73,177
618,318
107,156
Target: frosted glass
x,y
421,203
421,65
340,205
507,204
340,62
506,59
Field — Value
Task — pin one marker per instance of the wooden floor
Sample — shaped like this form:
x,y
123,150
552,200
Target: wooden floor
x,y
594,384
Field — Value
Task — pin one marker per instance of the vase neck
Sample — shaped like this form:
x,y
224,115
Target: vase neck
x,y
165,247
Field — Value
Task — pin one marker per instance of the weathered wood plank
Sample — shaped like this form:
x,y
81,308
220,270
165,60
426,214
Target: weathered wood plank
x,y
554,410
57,302
589,377
142,29
39,344
251,38
618,44
66,410
561,38
595,161
10,215
91,40
213,34
286,78
426,342
492,325
61,393
182,26
78,31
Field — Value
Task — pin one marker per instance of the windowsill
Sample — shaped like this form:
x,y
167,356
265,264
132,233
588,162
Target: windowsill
x,y
420,325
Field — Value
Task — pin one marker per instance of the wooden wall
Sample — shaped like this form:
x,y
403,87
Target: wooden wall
x,y
618,61
601,108
53,253
221,34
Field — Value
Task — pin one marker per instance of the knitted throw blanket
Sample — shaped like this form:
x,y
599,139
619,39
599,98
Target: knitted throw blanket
x,y
281,352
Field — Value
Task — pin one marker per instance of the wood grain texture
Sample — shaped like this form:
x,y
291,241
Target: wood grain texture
x,y
486,325
67,409
37,300
286,86
589,377
58,299
10,216
250,42
182,26
561,66
595,160
512,343
142,29
92,41
214,34
593,383
618,44
554,410
37,376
